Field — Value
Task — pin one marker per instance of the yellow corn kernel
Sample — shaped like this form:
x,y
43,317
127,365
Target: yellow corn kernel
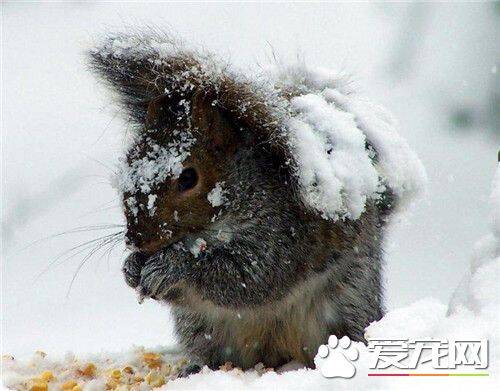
x,y
152,360
69,385
116,374
228,366
182,361
128,370
154,379
77,388
112,384
89,370
47,376
39,385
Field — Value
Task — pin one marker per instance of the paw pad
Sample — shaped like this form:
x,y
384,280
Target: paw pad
x,y
335,359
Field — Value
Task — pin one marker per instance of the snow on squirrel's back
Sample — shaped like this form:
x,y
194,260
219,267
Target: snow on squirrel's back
x,y
347,150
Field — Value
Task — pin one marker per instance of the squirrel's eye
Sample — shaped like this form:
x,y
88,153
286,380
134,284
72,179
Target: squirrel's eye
x,y
188,179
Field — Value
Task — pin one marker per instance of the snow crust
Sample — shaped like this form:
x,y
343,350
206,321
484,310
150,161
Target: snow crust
x,y
335,173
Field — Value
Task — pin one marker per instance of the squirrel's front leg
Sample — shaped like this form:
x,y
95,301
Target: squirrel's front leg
x,y
163,275
166,277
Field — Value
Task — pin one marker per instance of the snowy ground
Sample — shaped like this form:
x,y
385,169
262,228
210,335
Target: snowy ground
x,y
59,138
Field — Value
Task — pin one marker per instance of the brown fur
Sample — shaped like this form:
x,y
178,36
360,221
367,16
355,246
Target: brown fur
x,y
285,278
210,156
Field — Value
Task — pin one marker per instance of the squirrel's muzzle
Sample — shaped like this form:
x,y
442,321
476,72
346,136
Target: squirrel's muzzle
x,y
146,231
148,237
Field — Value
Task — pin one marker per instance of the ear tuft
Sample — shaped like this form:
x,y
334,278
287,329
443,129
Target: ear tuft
x,y
139,68
128,77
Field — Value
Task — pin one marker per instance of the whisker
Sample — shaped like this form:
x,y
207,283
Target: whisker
x,y
105,129
97,245
80,248
107,252
101,208
84,261
87,228
113,170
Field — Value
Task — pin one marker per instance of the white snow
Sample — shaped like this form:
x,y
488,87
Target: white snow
x,y
217,196
198,247
335,172
495,200
345,151
151,204
159,163
131,202
397,164
328,134
57,189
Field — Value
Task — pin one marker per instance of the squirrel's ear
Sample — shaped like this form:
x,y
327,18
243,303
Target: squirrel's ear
x,y
220,131
132,78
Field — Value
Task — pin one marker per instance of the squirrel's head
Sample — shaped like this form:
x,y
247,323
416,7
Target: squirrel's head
x,y
173,179
193,124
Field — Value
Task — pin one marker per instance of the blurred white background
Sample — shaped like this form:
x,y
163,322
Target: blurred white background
x,y
433,65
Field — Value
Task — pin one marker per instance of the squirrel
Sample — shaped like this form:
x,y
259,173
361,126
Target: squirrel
x,y
216,223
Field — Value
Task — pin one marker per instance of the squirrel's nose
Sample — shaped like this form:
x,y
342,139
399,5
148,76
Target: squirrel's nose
x,y
137,241
142,232
145,233
132,241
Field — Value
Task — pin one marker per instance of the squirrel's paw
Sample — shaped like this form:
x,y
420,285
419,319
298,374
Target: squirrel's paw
x,y
161,277
132,268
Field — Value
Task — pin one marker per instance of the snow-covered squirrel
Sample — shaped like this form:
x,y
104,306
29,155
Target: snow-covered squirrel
x,y
255,206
